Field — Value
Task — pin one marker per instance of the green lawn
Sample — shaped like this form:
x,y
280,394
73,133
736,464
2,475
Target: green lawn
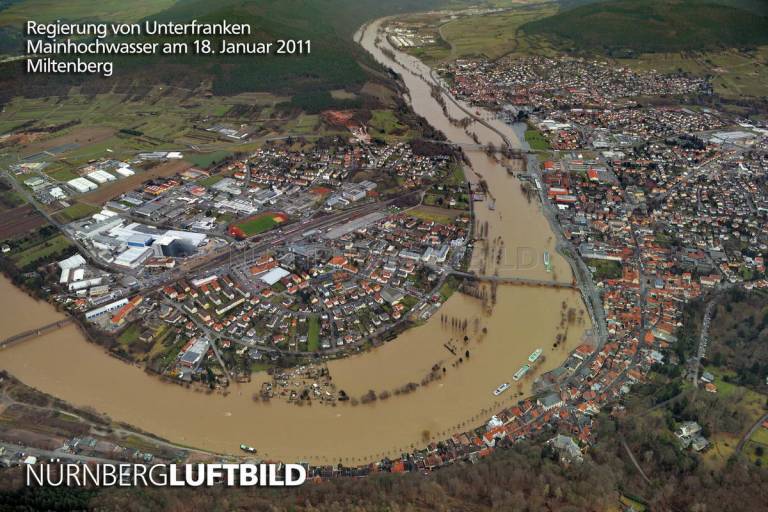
x,y
130,334
449,287
536,140
258,224
409,301
456,177
606,269
753,402
384,124
313,335
210,180
756,452
761,436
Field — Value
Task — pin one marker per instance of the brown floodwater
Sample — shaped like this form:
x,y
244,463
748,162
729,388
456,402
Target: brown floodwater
x,y
523,319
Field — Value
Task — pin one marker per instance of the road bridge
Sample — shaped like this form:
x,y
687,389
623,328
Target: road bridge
x,y
34,333
519,281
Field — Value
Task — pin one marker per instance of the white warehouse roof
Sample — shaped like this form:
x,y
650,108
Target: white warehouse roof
x,y
72,262
82,185
274,275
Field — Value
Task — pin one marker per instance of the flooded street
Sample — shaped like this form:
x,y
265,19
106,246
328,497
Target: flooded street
x,y
524,318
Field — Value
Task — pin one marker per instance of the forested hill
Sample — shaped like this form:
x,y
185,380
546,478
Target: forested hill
x,y
333,63
642,26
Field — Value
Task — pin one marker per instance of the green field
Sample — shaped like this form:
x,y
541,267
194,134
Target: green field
x,y
491,35
77,211
448,288
61,173
205,160
536,140
437,215
306,123
753,401
313,335
385,125
210,180
41,250
258,224
760,436
605,269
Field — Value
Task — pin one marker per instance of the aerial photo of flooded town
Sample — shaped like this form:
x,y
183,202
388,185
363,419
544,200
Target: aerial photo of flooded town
x,y
507,255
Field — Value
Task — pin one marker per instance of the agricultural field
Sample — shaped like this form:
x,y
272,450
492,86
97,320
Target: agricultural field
x,y
18,221
164,118
490,35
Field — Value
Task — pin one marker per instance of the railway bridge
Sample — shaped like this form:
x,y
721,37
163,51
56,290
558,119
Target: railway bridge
x,y
34,333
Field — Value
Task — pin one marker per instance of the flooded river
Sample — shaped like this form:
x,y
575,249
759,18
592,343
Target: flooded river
x,y
523,319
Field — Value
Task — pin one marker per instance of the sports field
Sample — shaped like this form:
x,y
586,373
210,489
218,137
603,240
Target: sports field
x,y
256,224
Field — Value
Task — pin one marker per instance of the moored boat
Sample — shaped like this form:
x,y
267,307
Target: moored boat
x,y
247,448
499,390
519,374
534,355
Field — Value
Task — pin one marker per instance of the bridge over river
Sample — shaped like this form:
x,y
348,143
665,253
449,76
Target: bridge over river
x,y
34,333
520,281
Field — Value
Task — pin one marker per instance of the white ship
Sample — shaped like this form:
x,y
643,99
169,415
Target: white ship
x,y
499,390
534,355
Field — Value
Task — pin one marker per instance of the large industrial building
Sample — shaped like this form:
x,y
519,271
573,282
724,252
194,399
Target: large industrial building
x,y
130,245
